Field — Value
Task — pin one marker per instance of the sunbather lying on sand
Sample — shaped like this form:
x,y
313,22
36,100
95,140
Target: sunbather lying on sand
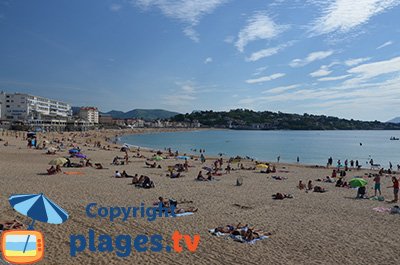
x,y
247,233
281,196
151,165
99,166
279,178
175,175
10,225
319,189
166,203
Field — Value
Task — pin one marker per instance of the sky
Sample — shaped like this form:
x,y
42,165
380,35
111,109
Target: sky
x,y
331,57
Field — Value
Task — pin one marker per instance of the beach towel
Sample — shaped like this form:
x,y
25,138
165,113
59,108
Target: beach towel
x,y
74,173
183,214
237,238
381,209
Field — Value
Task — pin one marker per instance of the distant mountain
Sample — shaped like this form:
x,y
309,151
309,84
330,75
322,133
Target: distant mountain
x,y
395,120
146,114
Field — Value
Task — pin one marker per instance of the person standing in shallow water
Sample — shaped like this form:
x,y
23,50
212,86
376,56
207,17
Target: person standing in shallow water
x,y
298,159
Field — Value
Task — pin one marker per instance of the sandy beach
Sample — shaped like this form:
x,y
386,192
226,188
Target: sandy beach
x,y
311,228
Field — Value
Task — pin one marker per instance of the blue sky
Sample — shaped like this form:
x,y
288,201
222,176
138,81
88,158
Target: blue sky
x,y
332,57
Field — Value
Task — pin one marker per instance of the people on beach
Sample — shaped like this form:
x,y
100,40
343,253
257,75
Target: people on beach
x,y
395,187
361,193
319,189
377,186
309,185
301,185
281,196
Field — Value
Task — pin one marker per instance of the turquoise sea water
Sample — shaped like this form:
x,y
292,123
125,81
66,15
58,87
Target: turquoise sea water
x,y
312,147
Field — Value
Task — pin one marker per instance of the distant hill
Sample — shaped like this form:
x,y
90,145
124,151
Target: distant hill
x,y
242,119
146,114
395,120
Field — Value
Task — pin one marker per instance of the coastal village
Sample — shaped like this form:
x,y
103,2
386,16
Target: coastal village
x,y
25,111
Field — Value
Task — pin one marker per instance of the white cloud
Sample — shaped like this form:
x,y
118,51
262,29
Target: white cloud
x,y
321,72
183,95
265,78
368,71
354,62
344,15
263,53
189,12
280,89
385,44
267,52
314,56
208,60
191,34
115,7
260,70
259,27
334,78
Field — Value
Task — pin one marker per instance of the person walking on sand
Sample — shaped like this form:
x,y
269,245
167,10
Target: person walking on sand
x,y
377,186
395,189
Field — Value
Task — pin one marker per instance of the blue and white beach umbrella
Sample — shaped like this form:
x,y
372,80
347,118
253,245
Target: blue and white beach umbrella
x,y
39,208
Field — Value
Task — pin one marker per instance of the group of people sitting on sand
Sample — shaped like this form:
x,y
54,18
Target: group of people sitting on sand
x,y
141,182
310,187
54,170
200,176
243,231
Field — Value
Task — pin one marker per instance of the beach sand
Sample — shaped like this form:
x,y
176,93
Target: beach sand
x,y
311,228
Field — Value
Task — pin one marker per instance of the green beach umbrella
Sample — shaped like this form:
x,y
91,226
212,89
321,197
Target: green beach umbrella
x,y
358,182
158,158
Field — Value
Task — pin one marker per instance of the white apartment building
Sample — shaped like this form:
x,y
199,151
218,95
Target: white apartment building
x,y
90,114
25,107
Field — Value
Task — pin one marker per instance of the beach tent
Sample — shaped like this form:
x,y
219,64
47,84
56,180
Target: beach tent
x,y
58,161
183,157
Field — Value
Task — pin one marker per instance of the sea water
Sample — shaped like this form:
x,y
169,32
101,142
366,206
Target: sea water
x,y
312,147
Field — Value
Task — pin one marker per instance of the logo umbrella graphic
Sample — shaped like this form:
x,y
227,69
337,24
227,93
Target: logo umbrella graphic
x,y
39,208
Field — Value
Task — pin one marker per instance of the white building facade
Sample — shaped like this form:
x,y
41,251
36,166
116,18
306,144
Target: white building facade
x,y
90,114
25,107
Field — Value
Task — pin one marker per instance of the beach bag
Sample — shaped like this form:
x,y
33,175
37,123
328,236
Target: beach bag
x,y
395,209
173,202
